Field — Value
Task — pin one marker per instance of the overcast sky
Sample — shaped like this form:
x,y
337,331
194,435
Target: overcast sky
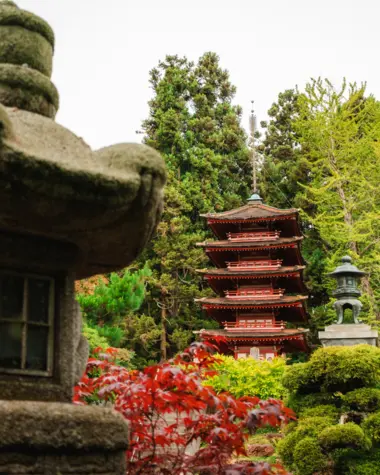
x,y
105,49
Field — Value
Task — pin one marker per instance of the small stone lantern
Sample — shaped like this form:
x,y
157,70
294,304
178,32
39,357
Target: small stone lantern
x,y
66,212
347,292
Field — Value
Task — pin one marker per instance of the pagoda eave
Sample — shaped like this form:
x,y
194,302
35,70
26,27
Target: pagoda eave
x,y
250,245
295,338
290,271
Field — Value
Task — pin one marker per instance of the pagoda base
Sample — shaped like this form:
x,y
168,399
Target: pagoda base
x,y
61,439
348,335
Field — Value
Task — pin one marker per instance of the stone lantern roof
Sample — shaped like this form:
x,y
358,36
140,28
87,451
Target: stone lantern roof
x,y
347,268
105,203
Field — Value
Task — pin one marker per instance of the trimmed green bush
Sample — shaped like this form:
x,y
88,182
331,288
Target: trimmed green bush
x,y
372,427
338,368
322,410
300,402
363,400
313,426
308,457
347,435
286,447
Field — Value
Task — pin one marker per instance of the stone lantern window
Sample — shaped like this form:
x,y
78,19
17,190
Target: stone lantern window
x,y
26,324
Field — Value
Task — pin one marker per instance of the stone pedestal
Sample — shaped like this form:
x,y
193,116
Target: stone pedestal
x,y
48,438
348,335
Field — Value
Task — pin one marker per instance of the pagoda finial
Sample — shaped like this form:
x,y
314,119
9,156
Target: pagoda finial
x,y
252,129
255,197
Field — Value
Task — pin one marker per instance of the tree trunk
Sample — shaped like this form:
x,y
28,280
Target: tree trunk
x,y
163,331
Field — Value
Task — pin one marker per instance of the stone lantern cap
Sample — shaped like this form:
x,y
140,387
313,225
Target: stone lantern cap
x,y
347,268
105,203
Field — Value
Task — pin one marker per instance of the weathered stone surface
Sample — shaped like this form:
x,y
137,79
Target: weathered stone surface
x,y
69,193
348,335
43,426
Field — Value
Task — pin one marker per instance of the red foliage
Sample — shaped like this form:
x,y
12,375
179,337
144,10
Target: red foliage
x,y
169,410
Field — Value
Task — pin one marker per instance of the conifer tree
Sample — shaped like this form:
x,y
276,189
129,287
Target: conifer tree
x,y
195,126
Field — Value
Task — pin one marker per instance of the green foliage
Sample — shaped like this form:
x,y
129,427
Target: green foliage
x,y
312,426
363,399
347,435
286,447
335,369
112,301
95,340
299,402
371,426
322,410
361,463
196,128
249,377
308,457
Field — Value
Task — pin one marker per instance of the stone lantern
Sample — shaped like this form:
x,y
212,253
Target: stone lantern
x,y
66,212
347,292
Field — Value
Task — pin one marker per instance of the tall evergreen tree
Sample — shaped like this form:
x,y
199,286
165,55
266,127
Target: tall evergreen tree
x,y
339,132
195,126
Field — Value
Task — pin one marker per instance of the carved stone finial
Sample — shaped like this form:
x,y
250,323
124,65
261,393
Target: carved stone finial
x,y
26,39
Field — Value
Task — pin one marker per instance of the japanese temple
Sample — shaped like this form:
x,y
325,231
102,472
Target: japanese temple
x,y
258,281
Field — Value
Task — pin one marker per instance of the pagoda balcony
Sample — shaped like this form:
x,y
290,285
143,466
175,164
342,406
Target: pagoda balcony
x,y
255,265
255,294
268,325
254,236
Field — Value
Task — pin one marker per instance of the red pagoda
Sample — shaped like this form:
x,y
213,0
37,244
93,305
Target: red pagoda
x,y
260,300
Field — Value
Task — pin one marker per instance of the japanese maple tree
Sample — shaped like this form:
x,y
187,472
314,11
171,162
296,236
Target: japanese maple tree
x,y
178,425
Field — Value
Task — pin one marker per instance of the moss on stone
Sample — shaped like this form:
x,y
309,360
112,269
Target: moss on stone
x,y
26,100
21,46
11,15
26,79
6,129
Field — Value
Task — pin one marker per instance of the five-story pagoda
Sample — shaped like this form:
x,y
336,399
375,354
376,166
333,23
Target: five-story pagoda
x,y
260,300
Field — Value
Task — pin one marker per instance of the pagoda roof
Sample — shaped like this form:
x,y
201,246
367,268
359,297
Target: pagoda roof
x,y
255,334
225,244
226,273
251,211
224,302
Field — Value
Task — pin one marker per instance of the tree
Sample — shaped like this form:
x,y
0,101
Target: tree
x,y
283,173
168,409
339,131
193,123
109,309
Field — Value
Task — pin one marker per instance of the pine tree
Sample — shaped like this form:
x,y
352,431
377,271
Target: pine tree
x,y
339,131
195,126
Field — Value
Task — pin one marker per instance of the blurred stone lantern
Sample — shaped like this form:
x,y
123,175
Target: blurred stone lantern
x,y
347,293
66,212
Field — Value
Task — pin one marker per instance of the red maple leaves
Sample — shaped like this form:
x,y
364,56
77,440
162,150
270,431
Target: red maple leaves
x,y
178,425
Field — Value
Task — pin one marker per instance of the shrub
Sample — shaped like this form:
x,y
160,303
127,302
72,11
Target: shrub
x,y
249,377
313,426
94,339
339,368
286,447
363,399
347,435
372,427
300,402
168,407
322,410
308,457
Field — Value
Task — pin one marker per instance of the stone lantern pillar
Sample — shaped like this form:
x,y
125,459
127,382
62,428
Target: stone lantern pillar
x,y
66,212
347,292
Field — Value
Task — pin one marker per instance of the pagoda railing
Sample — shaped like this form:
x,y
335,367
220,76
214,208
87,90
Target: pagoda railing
x,y
255,265
254,236
256,294
266,326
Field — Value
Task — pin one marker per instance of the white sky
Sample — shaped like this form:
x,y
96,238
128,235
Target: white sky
x,y
105,49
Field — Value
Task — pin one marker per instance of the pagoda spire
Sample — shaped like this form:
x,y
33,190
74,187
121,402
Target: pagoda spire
x,y
255,197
